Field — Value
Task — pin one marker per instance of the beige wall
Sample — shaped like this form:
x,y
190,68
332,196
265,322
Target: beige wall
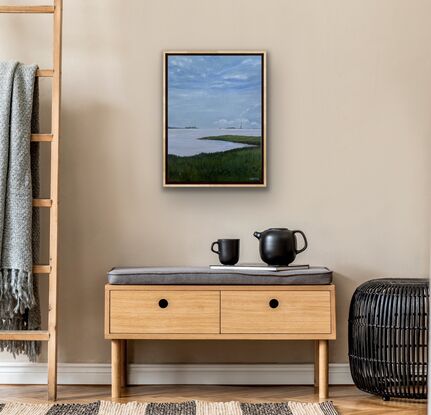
x,y
349,136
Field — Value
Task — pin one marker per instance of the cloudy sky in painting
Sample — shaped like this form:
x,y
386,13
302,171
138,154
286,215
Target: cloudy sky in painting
x,y
214,91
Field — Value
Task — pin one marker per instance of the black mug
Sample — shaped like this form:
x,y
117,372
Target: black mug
x,y
228,251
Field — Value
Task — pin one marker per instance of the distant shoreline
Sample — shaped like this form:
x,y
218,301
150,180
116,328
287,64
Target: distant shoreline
x,y
240,139
220,128
183,128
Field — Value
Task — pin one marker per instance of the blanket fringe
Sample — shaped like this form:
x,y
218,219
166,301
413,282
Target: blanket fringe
x,y
16,291
16,298
15,347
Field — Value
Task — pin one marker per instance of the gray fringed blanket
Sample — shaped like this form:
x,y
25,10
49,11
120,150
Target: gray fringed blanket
x,y
19,305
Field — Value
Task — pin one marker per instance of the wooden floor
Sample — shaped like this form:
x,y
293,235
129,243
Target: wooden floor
x,y
347,399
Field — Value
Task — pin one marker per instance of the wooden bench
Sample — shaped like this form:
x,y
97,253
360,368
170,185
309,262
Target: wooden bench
x,y
219,312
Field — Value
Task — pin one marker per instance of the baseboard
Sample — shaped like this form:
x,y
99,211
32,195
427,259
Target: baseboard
x,y
170,374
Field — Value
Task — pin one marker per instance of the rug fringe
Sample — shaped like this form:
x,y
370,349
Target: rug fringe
x,y
183,408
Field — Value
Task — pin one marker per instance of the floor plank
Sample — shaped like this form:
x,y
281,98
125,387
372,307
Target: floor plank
x,y
348,399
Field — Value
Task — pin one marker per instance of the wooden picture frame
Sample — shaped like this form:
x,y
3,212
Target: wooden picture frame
x,y
214,119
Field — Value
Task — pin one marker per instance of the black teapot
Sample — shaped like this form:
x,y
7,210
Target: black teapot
x,y
278,246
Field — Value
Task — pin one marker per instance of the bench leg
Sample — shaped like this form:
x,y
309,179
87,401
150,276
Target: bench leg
x,y
123,346
116,368
323,369
316,363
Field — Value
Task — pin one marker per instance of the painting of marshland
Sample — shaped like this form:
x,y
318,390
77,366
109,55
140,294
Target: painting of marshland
x,y
214,118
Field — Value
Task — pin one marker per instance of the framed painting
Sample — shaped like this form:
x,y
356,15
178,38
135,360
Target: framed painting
x,y
214,119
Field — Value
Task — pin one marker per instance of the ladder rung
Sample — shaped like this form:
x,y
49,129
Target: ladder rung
x,y
25,335
41,137
27,9
44,203
45,73
41,269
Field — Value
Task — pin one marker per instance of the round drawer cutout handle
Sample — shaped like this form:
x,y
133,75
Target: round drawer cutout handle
x,y
274,303
163,303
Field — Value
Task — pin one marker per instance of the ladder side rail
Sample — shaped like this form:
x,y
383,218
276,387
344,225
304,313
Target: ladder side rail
x,y
53,238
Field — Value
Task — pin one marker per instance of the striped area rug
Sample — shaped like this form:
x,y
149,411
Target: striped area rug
x,y
184,408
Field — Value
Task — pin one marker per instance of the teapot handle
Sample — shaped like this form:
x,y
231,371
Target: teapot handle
x,y
305,242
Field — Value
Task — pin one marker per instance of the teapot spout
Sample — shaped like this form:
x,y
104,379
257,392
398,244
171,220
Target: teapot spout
x,y
257,235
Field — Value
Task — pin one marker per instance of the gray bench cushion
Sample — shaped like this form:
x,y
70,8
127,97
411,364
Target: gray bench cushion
x,y
207,276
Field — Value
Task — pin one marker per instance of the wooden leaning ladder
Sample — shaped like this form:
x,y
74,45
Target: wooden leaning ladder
x,y
49,335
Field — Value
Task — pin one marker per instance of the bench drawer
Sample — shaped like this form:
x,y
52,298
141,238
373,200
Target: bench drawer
x,y
274,312
164,312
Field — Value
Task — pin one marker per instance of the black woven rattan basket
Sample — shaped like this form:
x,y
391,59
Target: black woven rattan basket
x,y
388,337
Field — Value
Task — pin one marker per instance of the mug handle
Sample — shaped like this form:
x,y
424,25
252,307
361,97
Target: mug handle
x,y
305,242
212,247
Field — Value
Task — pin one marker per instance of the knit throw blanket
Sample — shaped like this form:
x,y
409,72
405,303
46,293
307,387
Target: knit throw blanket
x,y
19,227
